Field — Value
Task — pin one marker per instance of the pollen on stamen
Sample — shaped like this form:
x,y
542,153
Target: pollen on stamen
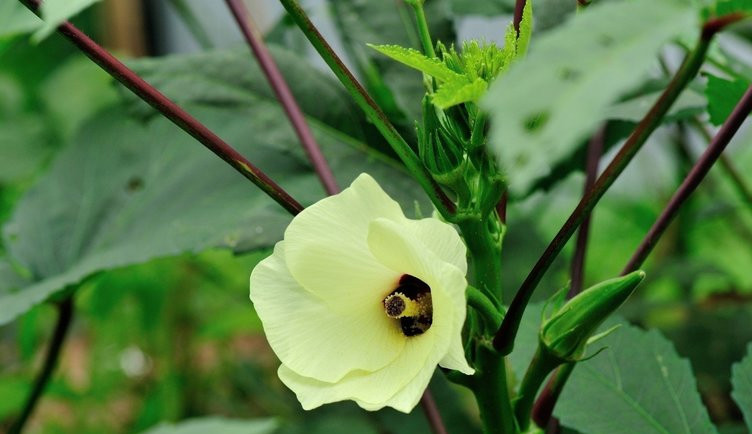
x,y
411,304
394,306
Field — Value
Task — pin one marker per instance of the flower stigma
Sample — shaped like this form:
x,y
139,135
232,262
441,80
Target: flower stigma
x,y
411,304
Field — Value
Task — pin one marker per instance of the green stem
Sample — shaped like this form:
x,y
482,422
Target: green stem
x,y
504,340
373,112
64,319
483,237
485,306
423,32
492,393
192,23
541,365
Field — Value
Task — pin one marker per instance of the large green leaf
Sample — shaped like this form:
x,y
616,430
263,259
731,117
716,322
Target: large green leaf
x,y
741,380
127,191
638,384
16,19
24,145
217,425
558,94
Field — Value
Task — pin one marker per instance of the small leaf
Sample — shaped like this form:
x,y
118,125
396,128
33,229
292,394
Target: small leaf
x,y
549,101
526,29
741,381
217,425
638,384
55,12
459,91
416,60
723,95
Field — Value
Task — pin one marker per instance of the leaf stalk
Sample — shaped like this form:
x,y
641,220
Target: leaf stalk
x,y
284,95
373,112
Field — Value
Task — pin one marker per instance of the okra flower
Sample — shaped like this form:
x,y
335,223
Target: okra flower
x,y
360,302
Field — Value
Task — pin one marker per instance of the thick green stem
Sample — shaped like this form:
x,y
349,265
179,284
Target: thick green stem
x,y
489,384
483,238
492,393
541,365
373,112
504,340
423,32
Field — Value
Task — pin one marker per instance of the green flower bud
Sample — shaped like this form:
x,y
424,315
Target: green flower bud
x,y
567,331
441,147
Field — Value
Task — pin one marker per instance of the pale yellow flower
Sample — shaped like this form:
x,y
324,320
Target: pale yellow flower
x,y
324,294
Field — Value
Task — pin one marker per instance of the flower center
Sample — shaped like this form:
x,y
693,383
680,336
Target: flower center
x,y
410,303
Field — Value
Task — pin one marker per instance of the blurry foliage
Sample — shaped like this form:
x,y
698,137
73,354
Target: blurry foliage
x,y
176,338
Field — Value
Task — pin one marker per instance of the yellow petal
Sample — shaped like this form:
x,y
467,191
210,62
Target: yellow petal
x,y
372,390
326,249
397,247
442,239
311,337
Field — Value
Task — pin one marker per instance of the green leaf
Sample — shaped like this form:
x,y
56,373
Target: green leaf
x,y
638,384
526,29
549,101
55,12
725,7
126,191
723,95
482,7
15,19
741,380
24,146
217,425
459,91
417,60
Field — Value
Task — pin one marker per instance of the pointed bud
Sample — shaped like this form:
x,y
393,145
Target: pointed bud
x,y
566,333
440,147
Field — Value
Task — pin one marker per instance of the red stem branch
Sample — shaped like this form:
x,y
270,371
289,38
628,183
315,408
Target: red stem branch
x,y
519,8
277,81
693,179
432,413
595,150
173,112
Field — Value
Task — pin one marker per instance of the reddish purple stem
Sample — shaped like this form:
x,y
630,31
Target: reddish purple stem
x,y
277,81
693,179
432,413
173,112
519,9
595,150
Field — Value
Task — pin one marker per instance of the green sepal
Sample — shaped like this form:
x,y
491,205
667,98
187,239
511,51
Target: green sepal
x,y
566,333
441,147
